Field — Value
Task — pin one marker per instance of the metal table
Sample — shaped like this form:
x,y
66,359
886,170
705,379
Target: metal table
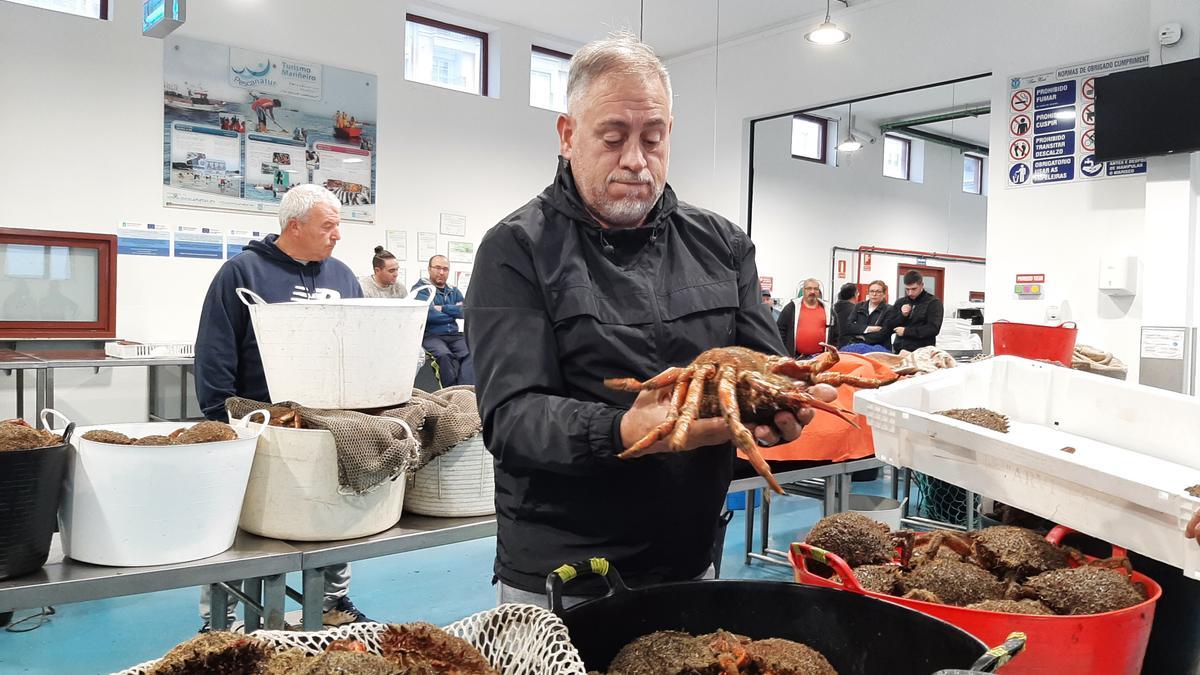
x,y
50,360
262,561
412,533
836,477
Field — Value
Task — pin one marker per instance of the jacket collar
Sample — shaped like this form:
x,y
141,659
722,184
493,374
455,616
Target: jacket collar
x,y
563,196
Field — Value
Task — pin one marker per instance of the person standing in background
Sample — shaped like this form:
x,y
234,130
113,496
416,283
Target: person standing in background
x,y
839,324
382,282
917,316
869,320
803,322
770,302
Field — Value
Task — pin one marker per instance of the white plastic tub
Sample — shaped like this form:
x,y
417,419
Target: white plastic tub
x,y
293,491
457,484
1102,456
135,505
881,509
342,354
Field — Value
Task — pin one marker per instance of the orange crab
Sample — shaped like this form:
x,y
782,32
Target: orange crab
x,y
741,385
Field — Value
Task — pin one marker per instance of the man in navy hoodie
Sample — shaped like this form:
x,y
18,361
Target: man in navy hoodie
x,y
292,265
443,339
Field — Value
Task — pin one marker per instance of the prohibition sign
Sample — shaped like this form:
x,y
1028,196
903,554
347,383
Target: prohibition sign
x,y
1089,89
1019,125
1018,149
1089,114
1021,99
1088,140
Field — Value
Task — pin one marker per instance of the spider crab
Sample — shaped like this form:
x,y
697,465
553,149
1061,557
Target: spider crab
x,y
740,385
1011,553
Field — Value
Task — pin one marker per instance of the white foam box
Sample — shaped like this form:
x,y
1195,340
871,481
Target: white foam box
x,y
1136,448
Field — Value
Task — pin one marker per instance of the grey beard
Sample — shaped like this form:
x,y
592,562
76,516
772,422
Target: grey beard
x,y
627,212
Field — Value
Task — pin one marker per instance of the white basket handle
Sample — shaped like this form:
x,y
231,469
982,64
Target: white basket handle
x,y
402,423
244,423
432,292
249,298
48,413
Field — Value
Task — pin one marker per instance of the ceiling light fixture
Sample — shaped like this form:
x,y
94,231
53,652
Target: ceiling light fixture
x,y
828,32
850,143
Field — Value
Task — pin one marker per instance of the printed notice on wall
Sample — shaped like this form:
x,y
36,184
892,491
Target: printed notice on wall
x,y
1163,343
144,239
396,243
192,241
453,225
1052,125
236,240
242,127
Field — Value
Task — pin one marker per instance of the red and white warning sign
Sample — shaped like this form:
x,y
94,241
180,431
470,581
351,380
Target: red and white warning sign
x,y
1088,116
1089,89
1088,140
1018,149
866,262
841,269
1020,125
766,283
1021,100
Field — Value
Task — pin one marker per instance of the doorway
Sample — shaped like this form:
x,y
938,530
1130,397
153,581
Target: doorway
x,y
934,277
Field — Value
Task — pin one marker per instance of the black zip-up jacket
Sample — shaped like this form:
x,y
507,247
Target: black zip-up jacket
x,y
922,324
552,314
861,317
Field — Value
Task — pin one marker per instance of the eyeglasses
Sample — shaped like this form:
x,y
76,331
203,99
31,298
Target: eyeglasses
x,y
875,291
439,267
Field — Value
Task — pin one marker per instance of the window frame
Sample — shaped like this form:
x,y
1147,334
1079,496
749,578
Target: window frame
x,y
462,30
105,14
105,325
907,156
979,160
546,51
823,152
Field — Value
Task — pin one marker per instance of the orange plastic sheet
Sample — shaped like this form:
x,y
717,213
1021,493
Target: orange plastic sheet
x,y
828,437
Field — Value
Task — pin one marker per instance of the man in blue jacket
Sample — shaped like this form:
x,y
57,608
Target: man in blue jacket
x,y
443,338
295,264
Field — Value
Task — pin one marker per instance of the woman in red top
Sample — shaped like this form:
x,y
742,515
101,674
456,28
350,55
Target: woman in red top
x,y
803,322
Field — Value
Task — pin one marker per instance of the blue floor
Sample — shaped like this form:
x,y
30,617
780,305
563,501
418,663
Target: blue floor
x,y
439,585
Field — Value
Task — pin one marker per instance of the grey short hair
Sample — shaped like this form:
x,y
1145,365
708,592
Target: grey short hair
x,y
622,52
301,198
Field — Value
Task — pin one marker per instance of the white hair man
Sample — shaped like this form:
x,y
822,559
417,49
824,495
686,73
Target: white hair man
x,y
292,265
607,274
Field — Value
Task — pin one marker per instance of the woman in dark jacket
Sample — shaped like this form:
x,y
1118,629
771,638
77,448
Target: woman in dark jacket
x,y
869,321
839,322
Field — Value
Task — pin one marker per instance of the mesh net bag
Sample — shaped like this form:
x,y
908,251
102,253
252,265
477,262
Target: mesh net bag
x,y
515,639
942,501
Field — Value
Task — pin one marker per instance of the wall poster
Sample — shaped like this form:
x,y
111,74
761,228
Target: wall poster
x,y
1051,125
241,127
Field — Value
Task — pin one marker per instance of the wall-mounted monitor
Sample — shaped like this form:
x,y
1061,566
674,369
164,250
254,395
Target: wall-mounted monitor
x,y
1148,111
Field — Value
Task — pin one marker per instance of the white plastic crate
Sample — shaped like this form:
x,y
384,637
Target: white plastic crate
x,y
143,350
1134,448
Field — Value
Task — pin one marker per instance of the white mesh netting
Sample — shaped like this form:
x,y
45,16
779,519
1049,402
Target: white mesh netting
x,y
515,639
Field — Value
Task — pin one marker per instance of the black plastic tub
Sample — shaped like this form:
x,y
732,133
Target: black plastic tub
x,y
31,484
857,634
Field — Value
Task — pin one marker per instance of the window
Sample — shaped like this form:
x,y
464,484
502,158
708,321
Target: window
x,y
973,174
445,55
896,152
57,284
548,71
96,9
808,137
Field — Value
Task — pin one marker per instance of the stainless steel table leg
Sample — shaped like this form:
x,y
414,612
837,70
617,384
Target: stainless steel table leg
x,y
766,518
274,592
21,394
830,495
314,597
218,601
844,482
895,470
907,491
39,396
183,389
49,388
254,589
749,524
972,517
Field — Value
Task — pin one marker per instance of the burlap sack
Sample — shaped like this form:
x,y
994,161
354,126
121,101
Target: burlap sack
x,y
372,450
1093,360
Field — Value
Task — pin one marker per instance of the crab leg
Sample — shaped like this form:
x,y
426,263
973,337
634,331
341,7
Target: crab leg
x,y
838,379
664,379
691,407
677,399
797,398
803,370
742,438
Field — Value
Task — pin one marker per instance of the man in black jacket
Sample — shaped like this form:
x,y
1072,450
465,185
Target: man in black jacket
x,y
606,274
917,316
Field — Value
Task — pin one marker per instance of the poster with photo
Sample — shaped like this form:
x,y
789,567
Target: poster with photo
x,y
242,127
